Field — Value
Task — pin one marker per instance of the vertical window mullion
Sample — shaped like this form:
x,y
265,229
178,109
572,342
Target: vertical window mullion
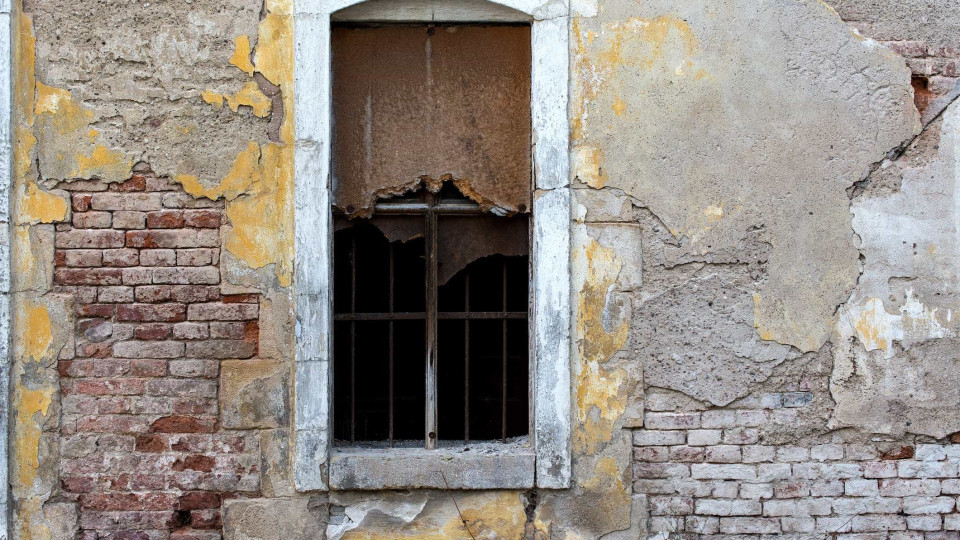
x,y
466,360
390,324
353,340
431,312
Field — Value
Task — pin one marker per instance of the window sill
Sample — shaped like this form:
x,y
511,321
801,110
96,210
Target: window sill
x,y
479,466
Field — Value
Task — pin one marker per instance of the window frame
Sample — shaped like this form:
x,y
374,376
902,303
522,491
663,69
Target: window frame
x,y
546,461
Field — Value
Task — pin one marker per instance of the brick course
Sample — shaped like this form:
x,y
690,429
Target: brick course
x,y
702,476
142,450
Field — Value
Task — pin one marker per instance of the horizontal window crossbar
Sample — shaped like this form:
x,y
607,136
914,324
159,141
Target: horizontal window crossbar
x,y
443,315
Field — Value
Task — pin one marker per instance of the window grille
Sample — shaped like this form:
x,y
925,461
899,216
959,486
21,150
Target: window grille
x,y
430,323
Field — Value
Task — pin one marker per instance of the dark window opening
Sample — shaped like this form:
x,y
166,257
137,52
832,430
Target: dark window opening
x,y
432,193
385,299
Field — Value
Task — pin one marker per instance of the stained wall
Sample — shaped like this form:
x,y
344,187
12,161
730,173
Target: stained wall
x,y
764,246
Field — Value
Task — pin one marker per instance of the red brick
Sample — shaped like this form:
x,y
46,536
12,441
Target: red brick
x,y
158,257
81,202
165,219
208,238
112,423
221,348
87,276
183,424
153,331
90,239
204,275
152,443
205,519
182,388
95,350
121,257
191,331
206,219
148,349
172,238
903,452
115,295
110,501
216,311
92,220
194,293
77,484
137,276
81,257
136,183
152,293
228,330
195,257
126,219
152,312
59,258
196,500
142,202
194,463
83,295
103,387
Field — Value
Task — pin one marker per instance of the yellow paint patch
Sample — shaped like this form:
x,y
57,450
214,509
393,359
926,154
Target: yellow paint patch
x,y
241,54
244,172
212,98
39,206
877,329
251,96
619,106
263,221
102,163
33,330
68,115
600,399
259,186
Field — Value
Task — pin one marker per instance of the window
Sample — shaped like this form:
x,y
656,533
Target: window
x,y
387,151
431,292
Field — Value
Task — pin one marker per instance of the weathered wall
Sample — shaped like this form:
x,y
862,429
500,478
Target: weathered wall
x,y
764,277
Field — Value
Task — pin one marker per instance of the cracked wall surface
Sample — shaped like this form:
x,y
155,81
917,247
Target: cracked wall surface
x,y
764,246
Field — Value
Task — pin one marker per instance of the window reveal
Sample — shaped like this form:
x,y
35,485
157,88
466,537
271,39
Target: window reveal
x,y
431,273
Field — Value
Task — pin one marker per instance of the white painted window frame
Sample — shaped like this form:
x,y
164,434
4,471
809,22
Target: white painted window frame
x,y
6,171
550,452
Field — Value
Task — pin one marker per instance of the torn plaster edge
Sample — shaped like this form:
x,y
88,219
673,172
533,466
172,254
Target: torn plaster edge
x,y
313,227
6,169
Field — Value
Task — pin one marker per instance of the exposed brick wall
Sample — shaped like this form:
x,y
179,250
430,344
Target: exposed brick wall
x,y
142,449
936,70
711,473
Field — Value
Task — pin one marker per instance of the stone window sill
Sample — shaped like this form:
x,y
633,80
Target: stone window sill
x,y
478,466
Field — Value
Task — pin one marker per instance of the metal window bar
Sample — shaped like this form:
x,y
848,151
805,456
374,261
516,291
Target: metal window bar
x,y
430,209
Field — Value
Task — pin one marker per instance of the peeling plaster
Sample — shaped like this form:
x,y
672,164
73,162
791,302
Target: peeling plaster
x,y
892,372
712,112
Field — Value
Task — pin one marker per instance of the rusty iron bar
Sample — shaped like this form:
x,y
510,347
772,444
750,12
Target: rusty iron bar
x,y
353,340
503,405
466,360
443,315
431,306
390,353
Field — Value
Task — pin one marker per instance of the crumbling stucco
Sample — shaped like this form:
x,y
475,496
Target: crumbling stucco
x,y
723,139
896,329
